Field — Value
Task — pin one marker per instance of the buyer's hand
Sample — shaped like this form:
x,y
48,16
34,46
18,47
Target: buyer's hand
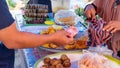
x,y
90,12
61,38
112,26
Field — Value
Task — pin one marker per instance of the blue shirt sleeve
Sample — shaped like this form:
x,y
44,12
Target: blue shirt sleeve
x,y
6,18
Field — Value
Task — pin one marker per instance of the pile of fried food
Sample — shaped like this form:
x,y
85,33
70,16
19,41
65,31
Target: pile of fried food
x,y
63,62
91,60
77,44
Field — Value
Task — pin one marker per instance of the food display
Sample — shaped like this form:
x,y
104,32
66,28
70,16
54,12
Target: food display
x,y
50,30
36,13
77,44
93,60
77,60
62,62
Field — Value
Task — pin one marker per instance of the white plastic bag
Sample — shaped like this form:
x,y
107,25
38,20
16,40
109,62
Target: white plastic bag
x,y
101,50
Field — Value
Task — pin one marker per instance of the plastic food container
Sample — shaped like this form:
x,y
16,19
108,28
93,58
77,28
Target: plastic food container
x,y
60,4
66,17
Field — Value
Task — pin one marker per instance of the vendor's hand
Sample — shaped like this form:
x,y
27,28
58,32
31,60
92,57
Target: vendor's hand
x,y
90,12
61,38
112,26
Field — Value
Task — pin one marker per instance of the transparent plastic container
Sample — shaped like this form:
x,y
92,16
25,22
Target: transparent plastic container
x,y
60,4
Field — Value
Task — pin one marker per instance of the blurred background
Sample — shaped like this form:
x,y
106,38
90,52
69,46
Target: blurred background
x,y
19,5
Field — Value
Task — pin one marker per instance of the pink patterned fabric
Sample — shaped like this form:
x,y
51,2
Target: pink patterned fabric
x,y
96,35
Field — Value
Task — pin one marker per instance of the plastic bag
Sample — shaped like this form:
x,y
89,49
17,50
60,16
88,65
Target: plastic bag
x,y
93,60
66,17
101,50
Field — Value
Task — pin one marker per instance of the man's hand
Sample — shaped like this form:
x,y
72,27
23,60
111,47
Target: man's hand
x,y
90,12
61,38
112,26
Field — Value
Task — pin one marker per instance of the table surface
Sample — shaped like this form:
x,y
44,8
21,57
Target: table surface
x,y
33,54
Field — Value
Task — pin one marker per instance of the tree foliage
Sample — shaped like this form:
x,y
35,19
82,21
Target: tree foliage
x,y
11,4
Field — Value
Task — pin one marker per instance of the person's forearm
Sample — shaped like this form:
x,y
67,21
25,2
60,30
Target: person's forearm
x,y
14,39
25,40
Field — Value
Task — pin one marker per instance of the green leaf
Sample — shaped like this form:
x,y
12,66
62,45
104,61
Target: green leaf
x,y
11,3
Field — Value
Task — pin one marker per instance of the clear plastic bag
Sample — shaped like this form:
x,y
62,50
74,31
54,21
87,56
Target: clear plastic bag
x,y
93,60
66,17
101,50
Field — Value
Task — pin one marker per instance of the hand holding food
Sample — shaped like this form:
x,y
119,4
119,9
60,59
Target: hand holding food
x,y
61,37
69,34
